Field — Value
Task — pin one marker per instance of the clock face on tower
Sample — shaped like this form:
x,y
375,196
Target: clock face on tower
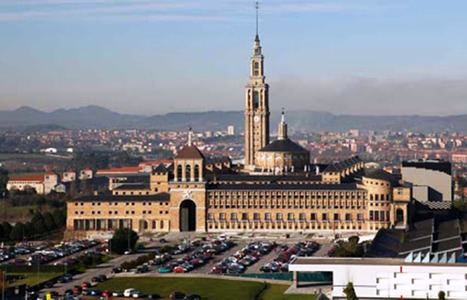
x,y
256,119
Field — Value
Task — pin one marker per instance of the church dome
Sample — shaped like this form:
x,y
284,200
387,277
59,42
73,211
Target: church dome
x,y
284,145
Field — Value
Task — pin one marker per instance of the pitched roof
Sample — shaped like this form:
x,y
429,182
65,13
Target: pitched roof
x,y
379,174
27,177
285,145
189,152
339,166
160,169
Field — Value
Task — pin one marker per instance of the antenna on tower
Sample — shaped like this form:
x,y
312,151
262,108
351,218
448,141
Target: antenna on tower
x,y
257,8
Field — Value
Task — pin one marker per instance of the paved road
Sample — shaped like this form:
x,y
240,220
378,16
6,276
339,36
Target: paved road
x,y
74,255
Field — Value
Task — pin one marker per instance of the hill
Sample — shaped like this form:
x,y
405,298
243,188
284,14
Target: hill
x,y
99,117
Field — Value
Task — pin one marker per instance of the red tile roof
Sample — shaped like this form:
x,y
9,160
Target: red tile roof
x,y
27,177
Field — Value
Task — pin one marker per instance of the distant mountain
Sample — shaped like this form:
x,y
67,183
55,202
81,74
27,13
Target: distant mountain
x,y
83,117
99,117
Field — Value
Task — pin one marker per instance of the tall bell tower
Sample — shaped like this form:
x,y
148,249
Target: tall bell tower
x,y
256,104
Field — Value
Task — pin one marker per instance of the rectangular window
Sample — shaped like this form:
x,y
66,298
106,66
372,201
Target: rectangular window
x,y
336,217
256,216
290,216
233,216
313,217
324,217
302,217
267,216
279,216
222,216
210,217
244,216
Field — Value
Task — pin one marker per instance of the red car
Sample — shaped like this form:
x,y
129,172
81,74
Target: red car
x,y
179,269
106,293
85,285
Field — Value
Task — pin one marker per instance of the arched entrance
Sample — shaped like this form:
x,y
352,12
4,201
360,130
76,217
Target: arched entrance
x,y
187,215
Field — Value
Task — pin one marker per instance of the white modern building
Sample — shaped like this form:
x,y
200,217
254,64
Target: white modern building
x,y
416,277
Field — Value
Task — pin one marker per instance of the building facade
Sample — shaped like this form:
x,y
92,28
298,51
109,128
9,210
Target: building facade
x,y
276,190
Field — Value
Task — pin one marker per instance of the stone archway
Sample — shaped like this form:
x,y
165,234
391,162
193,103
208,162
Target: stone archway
x,y
187,215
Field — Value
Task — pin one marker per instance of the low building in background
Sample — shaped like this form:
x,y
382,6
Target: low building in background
x,y
415,277
42,183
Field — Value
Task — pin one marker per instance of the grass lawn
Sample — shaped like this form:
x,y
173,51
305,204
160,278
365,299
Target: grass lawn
x,y
276,292
34,278
209,289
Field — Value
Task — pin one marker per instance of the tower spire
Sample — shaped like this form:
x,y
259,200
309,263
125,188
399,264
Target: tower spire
x,y
190,136
282,130
257,29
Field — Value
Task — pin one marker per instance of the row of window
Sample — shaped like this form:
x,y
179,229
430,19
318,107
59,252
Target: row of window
x,y
296,194
128,212
140,193
114,224
283,204
280,217
380,197
379,215
126,203
287,226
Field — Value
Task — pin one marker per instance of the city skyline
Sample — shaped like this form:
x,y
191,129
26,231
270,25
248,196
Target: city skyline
x,y
345,57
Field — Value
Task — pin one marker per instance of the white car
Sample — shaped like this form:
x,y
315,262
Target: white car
x,y
137,294
129,292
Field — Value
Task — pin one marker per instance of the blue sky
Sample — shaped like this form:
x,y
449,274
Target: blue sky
x,y
141,56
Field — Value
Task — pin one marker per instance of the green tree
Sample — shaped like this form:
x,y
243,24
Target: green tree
x,y
59,216
29,230
441,295
349,292
123,239
6,230
3,182
17,233
460,205
49,221
39,224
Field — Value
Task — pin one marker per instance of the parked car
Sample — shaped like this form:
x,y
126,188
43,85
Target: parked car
x,y
176,295
129,292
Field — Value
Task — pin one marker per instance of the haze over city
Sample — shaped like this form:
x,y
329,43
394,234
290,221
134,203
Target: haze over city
x,y
350,57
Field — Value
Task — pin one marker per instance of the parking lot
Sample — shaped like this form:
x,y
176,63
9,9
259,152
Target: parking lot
x,y
44,253
221,255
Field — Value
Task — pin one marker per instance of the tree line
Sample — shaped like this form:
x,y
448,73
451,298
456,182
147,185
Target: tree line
x,y
40,225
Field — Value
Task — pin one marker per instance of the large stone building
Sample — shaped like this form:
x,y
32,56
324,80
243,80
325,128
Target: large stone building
x,y
277,189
